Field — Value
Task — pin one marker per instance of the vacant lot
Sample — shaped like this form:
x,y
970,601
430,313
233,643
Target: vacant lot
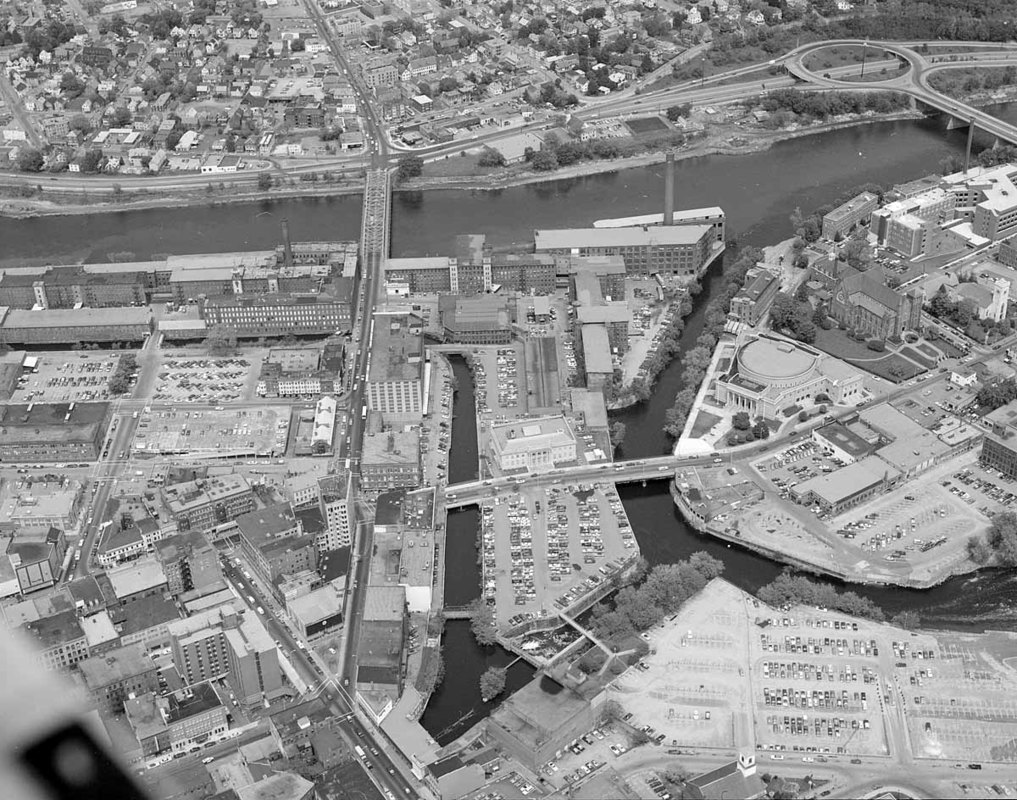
x,y
840,55
646,125
456,166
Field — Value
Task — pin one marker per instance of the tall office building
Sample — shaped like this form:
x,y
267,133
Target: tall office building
x,y
229,642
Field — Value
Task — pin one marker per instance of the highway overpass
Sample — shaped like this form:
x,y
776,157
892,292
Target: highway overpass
x,y
914,82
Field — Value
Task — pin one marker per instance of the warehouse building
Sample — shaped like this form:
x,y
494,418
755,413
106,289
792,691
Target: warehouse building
x,y
46,432
283,314
21,328
680,250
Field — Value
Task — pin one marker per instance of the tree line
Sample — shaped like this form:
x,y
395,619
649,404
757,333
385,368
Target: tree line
x,y
822,105
790,589
697,359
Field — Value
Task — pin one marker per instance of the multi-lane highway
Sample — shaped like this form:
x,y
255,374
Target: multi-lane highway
x,y
914,81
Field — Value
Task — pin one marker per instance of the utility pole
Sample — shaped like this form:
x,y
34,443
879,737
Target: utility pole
x,y
865,50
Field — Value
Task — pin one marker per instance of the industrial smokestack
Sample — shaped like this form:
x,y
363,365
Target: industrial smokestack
x,y
287,247
669,189
967,152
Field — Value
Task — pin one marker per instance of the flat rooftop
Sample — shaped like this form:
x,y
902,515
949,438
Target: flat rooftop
x,y
397,349
660,235
848,441
49,422
847,481
116,665
77,317
597,350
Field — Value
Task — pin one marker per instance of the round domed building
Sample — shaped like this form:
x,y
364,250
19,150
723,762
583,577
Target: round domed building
x,y
769,375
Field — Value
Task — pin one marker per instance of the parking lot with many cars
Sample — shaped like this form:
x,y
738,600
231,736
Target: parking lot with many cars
x,y
496,373
986,489
261,431
67,377
205,379
543,548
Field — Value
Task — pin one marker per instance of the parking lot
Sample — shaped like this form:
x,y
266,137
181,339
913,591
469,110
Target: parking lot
x,y
796,464
543,548
67,377
226,432
496,378
986,489
691,690
959,695
917,524
203,379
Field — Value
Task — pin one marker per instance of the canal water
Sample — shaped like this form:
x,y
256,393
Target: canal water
x,y
757,191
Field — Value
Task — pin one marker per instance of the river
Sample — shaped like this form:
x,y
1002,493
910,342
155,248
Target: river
x,y
758,192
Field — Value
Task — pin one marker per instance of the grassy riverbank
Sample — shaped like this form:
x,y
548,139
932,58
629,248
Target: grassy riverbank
x,y
721,139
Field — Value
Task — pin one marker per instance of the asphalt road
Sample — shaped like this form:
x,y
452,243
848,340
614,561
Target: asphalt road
x,y
383,769
107,472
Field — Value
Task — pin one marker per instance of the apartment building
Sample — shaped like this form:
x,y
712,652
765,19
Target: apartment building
x,y
228,641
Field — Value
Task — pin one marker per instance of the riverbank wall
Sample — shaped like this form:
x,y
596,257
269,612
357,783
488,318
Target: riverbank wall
x,y
131,198
731,536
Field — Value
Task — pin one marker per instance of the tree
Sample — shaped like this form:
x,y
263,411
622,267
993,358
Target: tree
x,y
118,384
491,158
706,565
221,340
544,161
91,160
79,122
741,421
482,622
492,683
857,253
30,160
675,113
997,394
616,430
121,117
409,167
761,429
782,310
979,550
264,181
1002,538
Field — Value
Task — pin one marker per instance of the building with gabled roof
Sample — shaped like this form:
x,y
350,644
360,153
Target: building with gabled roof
x,y
863,302
736,779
